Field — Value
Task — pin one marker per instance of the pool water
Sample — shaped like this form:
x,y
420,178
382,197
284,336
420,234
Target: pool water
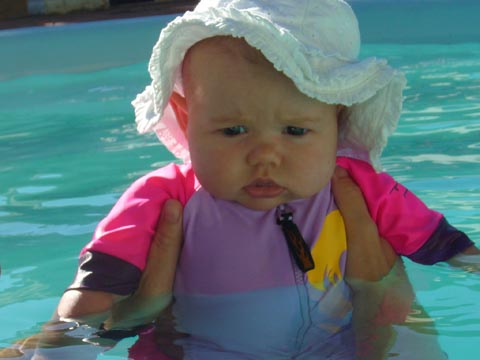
x,y
69,148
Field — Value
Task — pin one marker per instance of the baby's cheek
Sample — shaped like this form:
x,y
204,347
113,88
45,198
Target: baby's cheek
x,y
215,177
318,177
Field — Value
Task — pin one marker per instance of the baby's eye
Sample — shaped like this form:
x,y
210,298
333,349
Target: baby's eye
x,y
234,130
295,131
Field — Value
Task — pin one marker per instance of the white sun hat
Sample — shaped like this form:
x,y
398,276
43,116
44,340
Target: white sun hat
x,y
315,43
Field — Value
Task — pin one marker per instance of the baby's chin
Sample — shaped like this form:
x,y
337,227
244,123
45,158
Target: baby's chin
x,y
261,199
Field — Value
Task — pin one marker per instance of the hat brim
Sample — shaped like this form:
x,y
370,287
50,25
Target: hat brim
x,y
370,89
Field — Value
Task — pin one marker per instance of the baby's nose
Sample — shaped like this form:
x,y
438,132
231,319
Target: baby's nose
x,y
266,154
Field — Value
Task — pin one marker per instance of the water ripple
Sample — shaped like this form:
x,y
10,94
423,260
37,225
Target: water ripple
x,y
97,200
34,189
28,229
443,159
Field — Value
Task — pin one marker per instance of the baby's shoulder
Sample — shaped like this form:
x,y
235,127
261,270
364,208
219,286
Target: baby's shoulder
x,y
176,181
171,174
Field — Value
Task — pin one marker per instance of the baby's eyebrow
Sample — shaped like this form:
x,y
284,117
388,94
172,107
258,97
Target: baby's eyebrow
x,y
228,119
301,120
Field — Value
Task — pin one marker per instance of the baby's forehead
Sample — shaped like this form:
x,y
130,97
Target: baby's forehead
x,y
222,52
237,49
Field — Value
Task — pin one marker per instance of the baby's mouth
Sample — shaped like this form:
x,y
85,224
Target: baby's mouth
x,y
264,188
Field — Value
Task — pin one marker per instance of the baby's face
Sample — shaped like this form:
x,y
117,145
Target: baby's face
x,y
254,138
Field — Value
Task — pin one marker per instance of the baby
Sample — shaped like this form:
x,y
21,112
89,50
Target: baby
x,y
261,100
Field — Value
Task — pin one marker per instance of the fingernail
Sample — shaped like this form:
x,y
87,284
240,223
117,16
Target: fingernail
x,y
171,211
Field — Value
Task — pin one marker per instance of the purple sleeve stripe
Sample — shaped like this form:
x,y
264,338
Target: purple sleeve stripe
x,y
103,272
445,242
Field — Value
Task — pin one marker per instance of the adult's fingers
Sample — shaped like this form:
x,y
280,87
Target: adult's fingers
x,y
156,284
349,199
369,256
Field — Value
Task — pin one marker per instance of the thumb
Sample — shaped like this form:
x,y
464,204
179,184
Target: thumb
x,y
349,197
169,227
159,272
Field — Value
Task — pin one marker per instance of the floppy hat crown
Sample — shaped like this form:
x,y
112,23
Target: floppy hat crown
x,y
313,42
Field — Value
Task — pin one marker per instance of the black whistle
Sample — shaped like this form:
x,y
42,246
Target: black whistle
x,y
297,245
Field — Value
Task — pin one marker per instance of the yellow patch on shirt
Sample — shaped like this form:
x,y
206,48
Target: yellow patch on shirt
x,y
328,252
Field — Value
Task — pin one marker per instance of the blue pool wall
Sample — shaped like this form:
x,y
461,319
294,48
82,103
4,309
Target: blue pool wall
x,y
104,44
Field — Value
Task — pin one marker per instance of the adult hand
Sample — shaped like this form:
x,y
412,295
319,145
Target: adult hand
x,y
370,257
155,289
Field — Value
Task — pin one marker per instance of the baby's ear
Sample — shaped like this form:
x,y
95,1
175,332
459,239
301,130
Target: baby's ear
x,y
179,106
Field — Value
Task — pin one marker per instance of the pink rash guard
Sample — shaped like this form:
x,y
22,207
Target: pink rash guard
x,y
116,256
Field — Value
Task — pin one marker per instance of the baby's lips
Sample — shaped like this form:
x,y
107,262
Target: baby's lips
x,y
264,188
263,183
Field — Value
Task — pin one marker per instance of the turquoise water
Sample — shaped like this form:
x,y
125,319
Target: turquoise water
x,y
69,148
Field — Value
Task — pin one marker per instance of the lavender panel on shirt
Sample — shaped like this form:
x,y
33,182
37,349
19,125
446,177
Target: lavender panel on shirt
x,y
229,248
103,272
445,242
